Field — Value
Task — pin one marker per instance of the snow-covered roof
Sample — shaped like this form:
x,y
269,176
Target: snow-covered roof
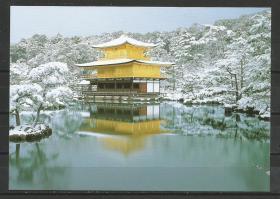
x,y
156,62
122,40
122,61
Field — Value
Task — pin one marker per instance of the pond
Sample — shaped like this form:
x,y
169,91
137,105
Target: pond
x,y
141,147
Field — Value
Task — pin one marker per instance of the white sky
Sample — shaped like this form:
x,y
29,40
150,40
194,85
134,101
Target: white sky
x,y
84,21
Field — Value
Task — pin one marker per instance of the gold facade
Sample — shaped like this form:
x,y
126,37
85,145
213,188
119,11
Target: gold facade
x,y
125,51
128,70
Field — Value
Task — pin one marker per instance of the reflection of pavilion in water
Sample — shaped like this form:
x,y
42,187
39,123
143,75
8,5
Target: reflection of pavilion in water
x,y
123,127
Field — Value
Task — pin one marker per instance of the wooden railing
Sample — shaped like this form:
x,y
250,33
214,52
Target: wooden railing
x,y
94,76
117,90
88,76
117,93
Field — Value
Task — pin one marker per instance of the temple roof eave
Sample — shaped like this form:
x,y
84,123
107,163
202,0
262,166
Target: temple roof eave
x,y
111,46
122,61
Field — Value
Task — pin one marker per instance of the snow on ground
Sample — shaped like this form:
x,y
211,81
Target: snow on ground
x,y
95,134
85,114
174,96
245,104
29,133
27,129
265,115
84,82
46,112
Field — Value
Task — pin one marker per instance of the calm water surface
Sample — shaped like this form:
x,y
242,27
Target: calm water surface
x,y
159,147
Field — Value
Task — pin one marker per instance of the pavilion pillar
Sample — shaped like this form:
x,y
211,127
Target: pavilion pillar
x,y
153,85
159,86
146,85
131,87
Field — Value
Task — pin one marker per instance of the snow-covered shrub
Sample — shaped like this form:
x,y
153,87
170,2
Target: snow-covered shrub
x,y
23,97
52,78
59,96
39,87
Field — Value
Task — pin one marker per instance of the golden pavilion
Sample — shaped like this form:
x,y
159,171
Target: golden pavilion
x,y
124,71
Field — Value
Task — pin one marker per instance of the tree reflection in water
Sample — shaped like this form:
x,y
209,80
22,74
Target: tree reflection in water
x,y
186,142
34,162
66,123
211,120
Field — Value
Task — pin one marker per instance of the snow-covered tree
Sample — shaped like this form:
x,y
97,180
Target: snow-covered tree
x,y
18,73
22,97
38,88
226,62
52,78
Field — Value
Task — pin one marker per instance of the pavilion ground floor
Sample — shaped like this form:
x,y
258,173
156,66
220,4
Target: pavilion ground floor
x,y
121,89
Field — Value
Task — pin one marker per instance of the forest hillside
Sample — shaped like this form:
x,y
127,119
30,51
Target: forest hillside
x,y
228,62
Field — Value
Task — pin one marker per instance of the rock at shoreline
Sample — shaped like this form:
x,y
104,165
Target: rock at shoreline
x,y
229,108
28,133
265,116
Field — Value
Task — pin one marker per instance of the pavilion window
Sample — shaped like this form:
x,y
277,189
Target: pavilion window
x,y
126,112
85,72
136,86
101,110
110,85
119,111
119,86
110,111
126,85
136,112
101,85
